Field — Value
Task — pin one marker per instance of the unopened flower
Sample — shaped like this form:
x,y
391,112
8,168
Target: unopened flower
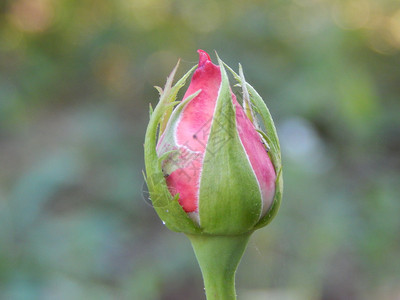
x,y
214,166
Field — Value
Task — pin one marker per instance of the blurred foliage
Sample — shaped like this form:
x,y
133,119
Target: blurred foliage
x,y
76,78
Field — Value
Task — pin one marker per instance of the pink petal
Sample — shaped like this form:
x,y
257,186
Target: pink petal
x,y
195,125
193,130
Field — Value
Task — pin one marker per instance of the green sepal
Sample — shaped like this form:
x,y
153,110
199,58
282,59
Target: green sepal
x,y
247,107
230,201
271,137
172,97
167,207
262,109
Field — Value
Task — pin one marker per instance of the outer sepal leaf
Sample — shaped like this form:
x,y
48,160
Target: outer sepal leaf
x,y
271,137
166,206
230,203
173,92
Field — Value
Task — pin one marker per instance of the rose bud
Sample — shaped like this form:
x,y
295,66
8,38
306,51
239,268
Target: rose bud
x,y
213,169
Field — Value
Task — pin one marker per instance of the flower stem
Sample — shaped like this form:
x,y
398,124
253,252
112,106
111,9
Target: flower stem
x,y
219,257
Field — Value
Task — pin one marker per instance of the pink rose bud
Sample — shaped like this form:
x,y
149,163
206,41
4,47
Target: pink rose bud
x,y
216,161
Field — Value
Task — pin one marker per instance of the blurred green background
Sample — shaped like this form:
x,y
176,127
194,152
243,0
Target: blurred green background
x,y
76,79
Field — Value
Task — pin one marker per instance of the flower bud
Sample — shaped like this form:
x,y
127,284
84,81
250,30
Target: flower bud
x,y
213,168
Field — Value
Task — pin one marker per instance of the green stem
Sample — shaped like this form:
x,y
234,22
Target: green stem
x,y
219,257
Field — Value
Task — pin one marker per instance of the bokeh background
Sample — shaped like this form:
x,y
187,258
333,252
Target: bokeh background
x,y
76,80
